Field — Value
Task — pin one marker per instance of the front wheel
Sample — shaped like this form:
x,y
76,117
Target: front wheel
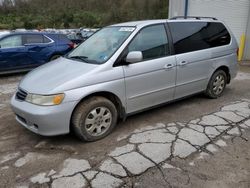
x,y
217,84
94,119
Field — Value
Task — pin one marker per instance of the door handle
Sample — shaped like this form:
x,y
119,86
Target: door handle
x,y
182,63
168,66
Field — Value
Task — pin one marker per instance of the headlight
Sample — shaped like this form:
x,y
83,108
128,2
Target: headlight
x,y
45,100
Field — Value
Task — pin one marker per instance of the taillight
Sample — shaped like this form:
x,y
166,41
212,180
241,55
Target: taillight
x,y
71,45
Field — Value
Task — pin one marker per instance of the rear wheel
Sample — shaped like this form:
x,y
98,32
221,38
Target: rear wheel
x,y
217,84
54,57
94,119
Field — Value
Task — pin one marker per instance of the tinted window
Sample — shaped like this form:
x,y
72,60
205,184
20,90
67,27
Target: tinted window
x,y
33,39
151,41
192,36
46,40
11,42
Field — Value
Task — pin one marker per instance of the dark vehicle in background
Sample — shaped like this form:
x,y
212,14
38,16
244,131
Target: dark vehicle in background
x,y
76,38
80,36
26,50
87,34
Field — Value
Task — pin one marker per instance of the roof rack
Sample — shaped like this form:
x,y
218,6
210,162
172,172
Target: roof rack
x,y
192,17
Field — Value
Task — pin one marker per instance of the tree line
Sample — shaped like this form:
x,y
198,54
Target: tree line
x,y
38,14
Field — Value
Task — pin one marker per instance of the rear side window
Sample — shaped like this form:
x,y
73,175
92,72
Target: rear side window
x,y
192,36
46,40
35,39
152,42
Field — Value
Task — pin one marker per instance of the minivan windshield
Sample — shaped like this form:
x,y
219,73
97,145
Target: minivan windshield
x,y
102,45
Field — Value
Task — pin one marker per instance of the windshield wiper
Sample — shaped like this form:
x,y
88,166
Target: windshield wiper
x,y
79,57
82,58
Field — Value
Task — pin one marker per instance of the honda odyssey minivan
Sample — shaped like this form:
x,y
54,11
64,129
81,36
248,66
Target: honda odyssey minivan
x,y
123,69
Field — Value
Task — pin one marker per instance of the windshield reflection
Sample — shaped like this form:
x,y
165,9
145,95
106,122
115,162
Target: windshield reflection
x,y
102,45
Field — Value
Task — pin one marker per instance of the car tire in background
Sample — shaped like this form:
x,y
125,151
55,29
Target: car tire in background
x,y
94,118
54,57
216,85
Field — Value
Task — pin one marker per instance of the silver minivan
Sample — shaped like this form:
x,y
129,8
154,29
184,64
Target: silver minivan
x,y
123,69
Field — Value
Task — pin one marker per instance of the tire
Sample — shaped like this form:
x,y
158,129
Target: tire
x,y
216,85
94,119
54,57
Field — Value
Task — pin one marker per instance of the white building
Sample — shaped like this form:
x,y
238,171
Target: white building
x,y
235,13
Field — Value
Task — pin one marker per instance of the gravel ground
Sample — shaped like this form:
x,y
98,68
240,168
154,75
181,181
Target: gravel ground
x,y
196,142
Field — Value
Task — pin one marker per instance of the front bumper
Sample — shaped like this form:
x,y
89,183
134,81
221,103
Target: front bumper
x,y
43,120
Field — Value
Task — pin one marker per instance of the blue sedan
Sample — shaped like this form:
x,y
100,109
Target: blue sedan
x,y
25,51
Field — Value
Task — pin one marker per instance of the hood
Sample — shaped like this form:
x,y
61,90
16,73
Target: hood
x,y
48,78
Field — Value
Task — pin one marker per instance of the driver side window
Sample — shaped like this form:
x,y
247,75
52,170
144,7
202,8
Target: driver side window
x,y
11,42
152,42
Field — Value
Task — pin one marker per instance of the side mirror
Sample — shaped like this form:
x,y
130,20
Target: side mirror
x,y
134,57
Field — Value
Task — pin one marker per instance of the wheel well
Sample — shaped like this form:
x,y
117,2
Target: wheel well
x,y
226,70
110,96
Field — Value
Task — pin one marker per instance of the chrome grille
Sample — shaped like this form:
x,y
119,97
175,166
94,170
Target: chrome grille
x,y
21,95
